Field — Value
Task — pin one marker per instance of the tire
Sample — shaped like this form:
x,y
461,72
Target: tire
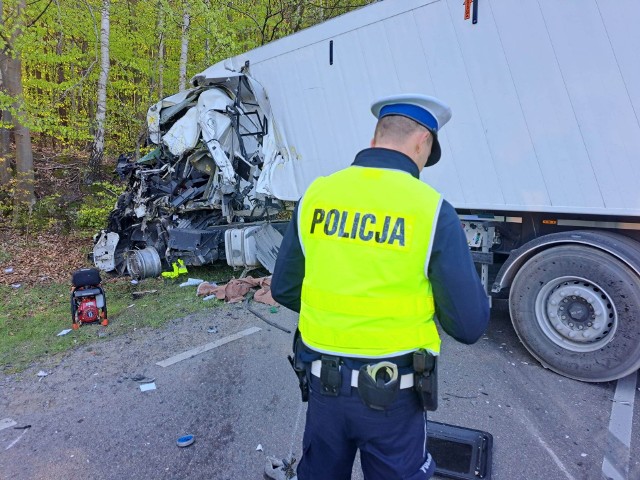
x,y
577,310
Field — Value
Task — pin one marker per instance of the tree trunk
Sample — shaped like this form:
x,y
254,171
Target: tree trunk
x,y
5,141
160,51
23,196
11,69
62,111
186,19
5,149
97,151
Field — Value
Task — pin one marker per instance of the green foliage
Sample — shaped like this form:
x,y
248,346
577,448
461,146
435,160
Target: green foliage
x,y
59,43
46,212
94,211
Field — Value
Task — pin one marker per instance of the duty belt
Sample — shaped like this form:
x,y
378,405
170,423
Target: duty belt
x,y
406,381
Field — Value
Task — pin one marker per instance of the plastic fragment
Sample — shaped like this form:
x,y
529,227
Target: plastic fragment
x,y
42,373
185,441
63,332
191,282
145,387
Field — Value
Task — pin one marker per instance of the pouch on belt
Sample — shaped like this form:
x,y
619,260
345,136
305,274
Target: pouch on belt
x,y
378,384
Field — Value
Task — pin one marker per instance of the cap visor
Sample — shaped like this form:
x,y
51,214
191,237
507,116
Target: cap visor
x,y
434,157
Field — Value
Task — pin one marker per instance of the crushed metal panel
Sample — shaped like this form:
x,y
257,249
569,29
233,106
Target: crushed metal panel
x,y
196,247
104,251
268,241
204,177
184,134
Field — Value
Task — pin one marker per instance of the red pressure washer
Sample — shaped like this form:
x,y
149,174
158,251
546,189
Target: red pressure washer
x,y
88,301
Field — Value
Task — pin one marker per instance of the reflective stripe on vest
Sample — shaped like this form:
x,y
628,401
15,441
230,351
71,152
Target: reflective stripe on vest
x,y
366,234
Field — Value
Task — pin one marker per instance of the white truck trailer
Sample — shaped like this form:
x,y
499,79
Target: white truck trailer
x,y
541,157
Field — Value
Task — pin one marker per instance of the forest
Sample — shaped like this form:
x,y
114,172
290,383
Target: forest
x,y
78,76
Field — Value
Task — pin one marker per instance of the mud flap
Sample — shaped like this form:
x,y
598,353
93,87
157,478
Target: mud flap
x,y
460,453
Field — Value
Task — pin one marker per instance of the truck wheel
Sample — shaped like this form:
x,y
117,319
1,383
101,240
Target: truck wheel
x,y
575,308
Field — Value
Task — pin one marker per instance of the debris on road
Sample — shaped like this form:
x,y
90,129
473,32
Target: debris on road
x,y
185,441
461,396
42,373
259,448
178,267
236,289
191,282
145,387
6,423
262,317
142,293
212,330
278,469
63,332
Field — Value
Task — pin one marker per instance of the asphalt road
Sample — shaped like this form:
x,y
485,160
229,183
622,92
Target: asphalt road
x,y
89,418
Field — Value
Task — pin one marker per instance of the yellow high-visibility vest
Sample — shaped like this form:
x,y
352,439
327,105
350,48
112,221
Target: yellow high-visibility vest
x,y
366,234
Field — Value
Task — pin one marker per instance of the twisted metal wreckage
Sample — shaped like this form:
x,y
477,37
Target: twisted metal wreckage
x,y
216,148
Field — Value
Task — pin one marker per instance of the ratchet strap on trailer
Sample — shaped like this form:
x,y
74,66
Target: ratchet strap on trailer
x,y
460,453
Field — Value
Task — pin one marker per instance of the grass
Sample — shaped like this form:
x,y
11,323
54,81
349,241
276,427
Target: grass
x,y
31,317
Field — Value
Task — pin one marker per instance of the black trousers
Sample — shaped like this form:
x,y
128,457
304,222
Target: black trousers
x,y
392,442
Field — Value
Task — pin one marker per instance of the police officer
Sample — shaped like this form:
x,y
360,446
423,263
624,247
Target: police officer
x,y
371,257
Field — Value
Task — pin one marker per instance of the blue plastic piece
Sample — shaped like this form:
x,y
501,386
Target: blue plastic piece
x,y
186,440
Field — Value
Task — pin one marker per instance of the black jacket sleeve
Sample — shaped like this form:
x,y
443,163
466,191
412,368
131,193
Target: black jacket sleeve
x,y
286,283
462,306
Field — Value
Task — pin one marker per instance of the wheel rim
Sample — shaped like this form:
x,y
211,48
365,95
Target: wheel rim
x,y
576,314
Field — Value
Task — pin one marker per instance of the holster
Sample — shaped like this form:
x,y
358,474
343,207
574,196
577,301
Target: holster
x,y
299,367
379,391
425,379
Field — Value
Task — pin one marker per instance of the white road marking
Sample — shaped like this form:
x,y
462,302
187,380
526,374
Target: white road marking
x,y
295,430
615,465
6,423
551,453
203,348
17,439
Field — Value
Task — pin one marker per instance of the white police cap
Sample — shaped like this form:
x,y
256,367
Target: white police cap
x,y
428,111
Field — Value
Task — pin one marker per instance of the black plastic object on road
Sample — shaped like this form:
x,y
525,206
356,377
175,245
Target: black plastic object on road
x,y
460,453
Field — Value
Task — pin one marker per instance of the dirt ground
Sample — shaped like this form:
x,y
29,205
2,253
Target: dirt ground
x,y
41,259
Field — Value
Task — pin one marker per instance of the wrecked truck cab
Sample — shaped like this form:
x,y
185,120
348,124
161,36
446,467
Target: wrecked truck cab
x,y
216,145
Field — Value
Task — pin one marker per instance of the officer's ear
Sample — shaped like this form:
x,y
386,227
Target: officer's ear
x,y
423,141
373,142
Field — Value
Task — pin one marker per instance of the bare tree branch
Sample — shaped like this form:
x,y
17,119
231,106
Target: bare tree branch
x,y
41,13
